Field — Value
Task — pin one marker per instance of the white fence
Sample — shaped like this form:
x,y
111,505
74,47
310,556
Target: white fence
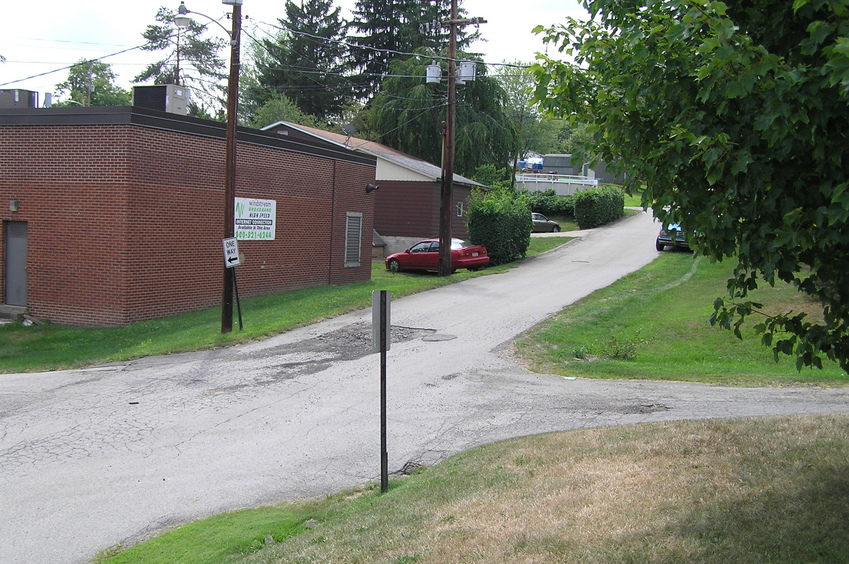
x,y
562,184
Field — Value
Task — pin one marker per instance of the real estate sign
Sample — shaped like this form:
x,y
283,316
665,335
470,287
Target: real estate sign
x,y
256,220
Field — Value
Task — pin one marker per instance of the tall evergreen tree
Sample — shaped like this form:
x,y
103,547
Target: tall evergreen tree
x,y
306,62
384,30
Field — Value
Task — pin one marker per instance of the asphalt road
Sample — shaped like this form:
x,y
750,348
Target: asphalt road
x,y
91,458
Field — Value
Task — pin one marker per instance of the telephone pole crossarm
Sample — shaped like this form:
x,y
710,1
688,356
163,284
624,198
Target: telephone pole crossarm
x,y
468,21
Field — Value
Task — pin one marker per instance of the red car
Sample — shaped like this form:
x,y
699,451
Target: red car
x,y
424,255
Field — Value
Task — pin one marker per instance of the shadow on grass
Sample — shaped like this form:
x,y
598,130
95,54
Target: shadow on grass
x,y
805,521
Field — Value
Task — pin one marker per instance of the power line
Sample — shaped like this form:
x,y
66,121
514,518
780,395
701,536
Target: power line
x,y
95,59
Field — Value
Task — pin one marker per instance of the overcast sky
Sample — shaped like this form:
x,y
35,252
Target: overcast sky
x,y
45,37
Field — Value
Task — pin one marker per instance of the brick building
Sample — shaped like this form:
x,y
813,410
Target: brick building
x,y
113,215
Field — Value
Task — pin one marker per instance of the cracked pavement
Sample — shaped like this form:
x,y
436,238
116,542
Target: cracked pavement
x,y
115,453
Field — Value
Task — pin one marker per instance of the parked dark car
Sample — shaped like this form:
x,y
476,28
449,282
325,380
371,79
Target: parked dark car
x,y
671,236
424,255
544,225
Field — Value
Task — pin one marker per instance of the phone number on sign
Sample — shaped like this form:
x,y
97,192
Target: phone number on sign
x,y
243,235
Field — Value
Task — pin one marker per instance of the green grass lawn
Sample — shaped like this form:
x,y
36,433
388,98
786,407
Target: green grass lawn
x,y
653,324
633,200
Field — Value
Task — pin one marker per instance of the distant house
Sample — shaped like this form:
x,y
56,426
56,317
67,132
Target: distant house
x,y
407,205
564,164
564,175
112,215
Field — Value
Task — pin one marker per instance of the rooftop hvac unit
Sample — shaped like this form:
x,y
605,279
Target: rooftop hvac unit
x,y
18,99
170,98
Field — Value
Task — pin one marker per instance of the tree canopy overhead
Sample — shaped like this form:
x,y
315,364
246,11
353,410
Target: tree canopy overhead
x,y
734,119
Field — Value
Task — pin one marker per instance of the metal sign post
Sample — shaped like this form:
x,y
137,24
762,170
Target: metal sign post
x,y
380,341
231,261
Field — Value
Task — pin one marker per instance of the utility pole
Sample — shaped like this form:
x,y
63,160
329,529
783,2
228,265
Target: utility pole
x,y
446,210
447,191
230,162
182,20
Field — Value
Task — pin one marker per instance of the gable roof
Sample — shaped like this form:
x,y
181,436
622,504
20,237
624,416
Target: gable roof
x,y
381,152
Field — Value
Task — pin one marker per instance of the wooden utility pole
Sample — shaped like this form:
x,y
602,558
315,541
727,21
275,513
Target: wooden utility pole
x,y
447,192
446,210
230,162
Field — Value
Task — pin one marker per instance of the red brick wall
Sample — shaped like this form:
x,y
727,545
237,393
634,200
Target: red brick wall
x,y
350,196
125,222
71,190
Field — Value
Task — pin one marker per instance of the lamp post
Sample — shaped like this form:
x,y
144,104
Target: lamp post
x,y
230,160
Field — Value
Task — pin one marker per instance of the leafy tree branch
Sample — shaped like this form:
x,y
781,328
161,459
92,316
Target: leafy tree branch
x,y
732,119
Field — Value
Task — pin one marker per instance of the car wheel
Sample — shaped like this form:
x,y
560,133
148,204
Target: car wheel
x,y
659,246
394,266
555,229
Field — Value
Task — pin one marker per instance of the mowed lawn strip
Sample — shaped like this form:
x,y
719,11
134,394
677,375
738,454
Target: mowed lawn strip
x,y
653,324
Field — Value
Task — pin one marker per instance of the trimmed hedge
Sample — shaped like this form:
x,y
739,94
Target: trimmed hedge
x,y
549,203
599,206
500,220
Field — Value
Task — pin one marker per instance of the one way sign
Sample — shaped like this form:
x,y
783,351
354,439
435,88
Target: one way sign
x,y
231,252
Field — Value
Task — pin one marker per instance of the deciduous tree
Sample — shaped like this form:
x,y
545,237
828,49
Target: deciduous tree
x,y
735,120
535,134
280,108
92,83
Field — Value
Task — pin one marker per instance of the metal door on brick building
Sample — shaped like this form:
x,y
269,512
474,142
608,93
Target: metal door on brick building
x,y
15,236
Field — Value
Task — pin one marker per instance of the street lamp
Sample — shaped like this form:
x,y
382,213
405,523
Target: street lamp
x,y
230,164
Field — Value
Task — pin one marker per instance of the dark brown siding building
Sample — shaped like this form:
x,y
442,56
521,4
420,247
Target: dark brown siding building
x,y
408,202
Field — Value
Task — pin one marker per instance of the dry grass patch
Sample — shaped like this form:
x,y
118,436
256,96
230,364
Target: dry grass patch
x,y
754,490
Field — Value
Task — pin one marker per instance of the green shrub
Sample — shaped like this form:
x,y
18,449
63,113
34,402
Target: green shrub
x,y
549,203
492,177
599,206
500,220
